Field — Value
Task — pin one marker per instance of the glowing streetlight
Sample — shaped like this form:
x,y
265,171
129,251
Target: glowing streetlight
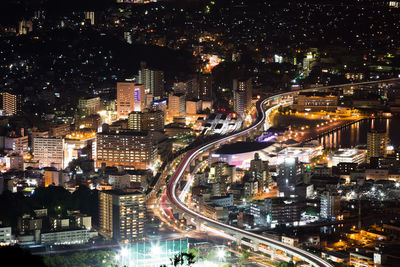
x,y
221,254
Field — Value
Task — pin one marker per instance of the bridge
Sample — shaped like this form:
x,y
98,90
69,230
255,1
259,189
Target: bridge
x,y
276,249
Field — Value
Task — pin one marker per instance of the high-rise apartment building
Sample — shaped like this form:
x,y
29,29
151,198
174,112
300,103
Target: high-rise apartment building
x,y
290,174
49,151
239,102
176,104
330,206
12,103
122,215
205,87
152,120
132,149
242,94
153,80
376,144
130,97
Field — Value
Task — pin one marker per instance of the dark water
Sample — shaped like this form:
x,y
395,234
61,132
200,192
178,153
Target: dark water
x,y
356,134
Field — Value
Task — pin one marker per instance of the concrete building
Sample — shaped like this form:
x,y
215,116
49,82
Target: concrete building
x,y
290,174
147,120
12,103
68,237
133,149
6,235
348,155
89,106
189,87
243,92
205,87
376,144
153,80
193,106
130,97
176,104
316,101
122,215
330,206
49,151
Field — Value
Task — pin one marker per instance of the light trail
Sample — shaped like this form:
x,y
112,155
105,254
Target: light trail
x,y
191,155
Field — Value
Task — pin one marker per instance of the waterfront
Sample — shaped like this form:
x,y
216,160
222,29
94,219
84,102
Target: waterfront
x,y
348,137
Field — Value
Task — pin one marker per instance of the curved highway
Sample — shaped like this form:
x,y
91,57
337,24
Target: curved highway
x,y
192,154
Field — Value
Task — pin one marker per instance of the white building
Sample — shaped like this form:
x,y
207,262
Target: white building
x,y
349,155
68,237
6,237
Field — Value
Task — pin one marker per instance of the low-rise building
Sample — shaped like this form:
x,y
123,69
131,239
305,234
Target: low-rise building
x,y
68,237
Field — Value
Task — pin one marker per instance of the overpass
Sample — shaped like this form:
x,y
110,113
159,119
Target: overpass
x,y
257,242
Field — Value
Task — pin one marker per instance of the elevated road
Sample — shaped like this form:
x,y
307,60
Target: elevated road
x,y
256,240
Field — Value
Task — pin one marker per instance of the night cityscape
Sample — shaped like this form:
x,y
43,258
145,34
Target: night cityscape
x,y
217,133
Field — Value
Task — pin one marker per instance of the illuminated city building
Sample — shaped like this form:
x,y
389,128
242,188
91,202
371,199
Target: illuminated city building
x,y
316,101
49,151
153,80
242,95
290,174
176,104
376,144
59,130
348,156
205,88
330,206
189,87
193,106
11,104
131,149
89,106
122,215
52,177
147,120
130,97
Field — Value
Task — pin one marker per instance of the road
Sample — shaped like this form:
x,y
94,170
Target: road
x,y
191,155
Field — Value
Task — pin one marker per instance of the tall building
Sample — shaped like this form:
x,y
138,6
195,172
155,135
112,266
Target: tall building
x,y
239,102
290,174
130,97
122,215
259,171
49,151
176,104
193,106
205,87
330,206
189,87
132,149
148,120
153,80
12,103
376,144
89,106
242,95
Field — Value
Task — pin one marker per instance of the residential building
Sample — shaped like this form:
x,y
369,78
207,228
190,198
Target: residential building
x,y
122,215
147,120
153,80
49,151
330,206
133,149
12,103
376,144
